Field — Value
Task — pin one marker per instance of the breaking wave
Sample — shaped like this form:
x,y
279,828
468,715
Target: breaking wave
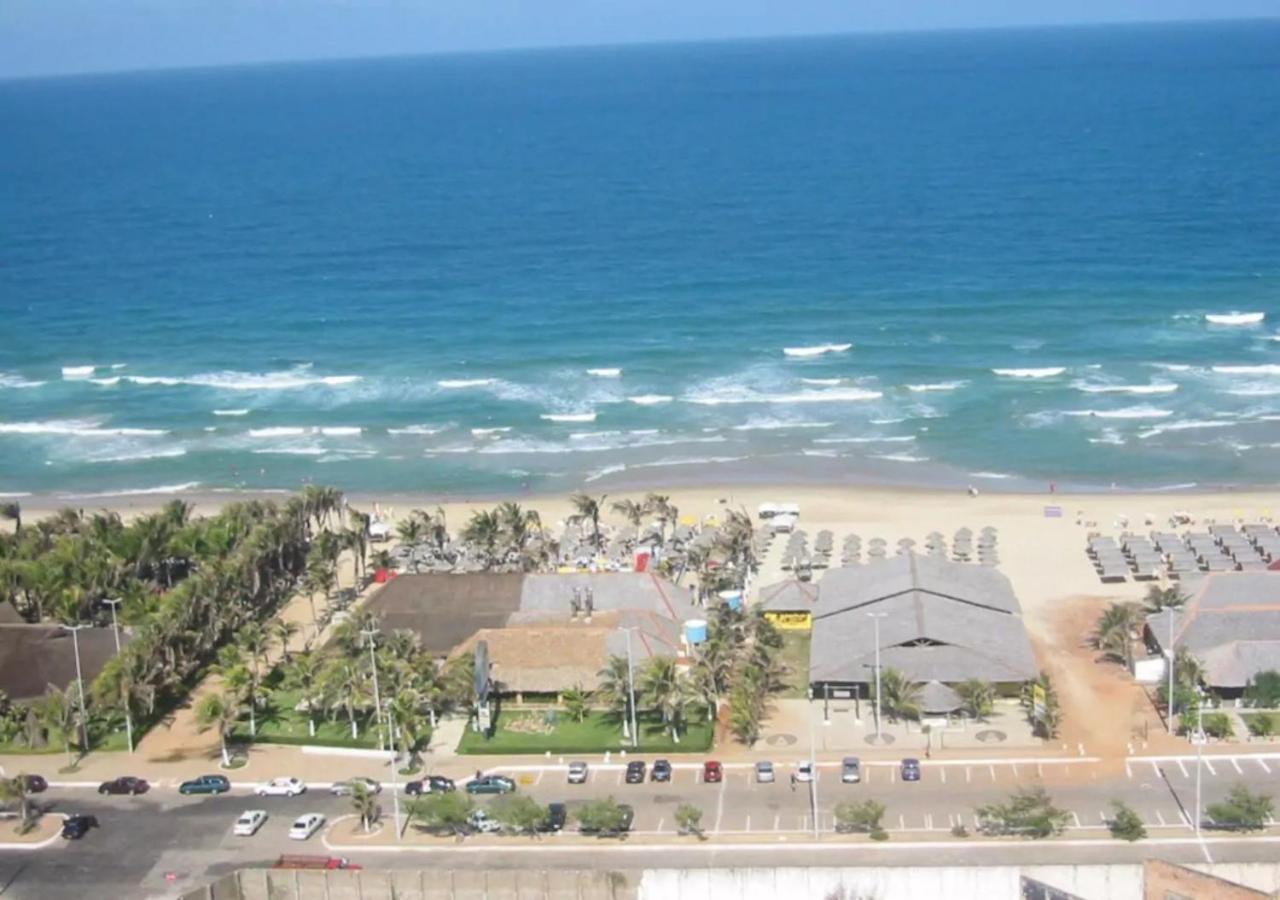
x,y
454,383
650,399
1235,318
568,417
1154,388
1046,372
17,381
605,373
816,350
937,386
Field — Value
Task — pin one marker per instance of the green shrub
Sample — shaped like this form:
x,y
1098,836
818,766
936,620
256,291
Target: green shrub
x,y
1126,824
1261,724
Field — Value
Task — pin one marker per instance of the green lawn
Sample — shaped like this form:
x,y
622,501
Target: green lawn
x,y
113,741
279,723
596,733
795,656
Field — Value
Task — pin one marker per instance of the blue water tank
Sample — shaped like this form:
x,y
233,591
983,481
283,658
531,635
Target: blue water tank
x,y
695,631
732,599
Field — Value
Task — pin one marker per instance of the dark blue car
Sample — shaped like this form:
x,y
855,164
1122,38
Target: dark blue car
x,y
911,770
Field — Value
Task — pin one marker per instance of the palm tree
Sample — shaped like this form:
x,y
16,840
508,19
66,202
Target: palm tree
x,y
282,632
365,804
404,711
615,690
410,530
978,697
1170,597
12,510
632,511
576,702
745,714
664,689
1112,634
57,712
1188,671
345,688
520,527
899,695
14,791
659,506
302,675
220,711
483,530
588,509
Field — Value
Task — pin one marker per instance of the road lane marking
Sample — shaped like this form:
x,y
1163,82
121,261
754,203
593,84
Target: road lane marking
x,y
968,774
902,821
1239,771
1160,817
1076,818
1209,766
1039,771
943,773
1262,762
1155,770
992,770
538,780
777,822
660,822
719,806
928,821
1183,768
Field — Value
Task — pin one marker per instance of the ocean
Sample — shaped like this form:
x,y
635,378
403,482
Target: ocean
x,y
999,258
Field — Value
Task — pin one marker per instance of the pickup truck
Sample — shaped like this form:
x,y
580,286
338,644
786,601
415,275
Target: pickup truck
x,y
314,862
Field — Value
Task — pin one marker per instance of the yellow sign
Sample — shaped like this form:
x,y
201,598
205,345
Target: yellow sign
x,y
790,621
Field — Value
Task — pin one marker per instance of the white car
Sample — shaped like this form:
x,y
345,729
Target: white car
x,y
804,774
305,826
343,788
249,822
280,787
577,773
482,822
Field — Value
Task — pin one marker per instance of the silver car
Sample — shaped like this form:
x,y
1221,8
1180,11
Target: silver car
x,y
764,772
851,770
577,773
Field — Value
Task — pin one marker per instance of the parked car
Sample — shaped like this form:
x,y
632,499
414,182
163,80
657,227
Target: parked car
x,y
125,784
305,826
249,823
557,815
290,861
851,770
661,770
205,784
804,772
577,773
481,821
628,816
432,784
77,826
343,788
35,784
490,784
911,770
635,772
764,772
285,786
712,772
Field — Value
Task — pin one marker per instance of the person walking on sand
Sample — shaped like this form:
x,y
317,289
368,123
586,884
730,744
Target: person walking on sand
x,y
793,782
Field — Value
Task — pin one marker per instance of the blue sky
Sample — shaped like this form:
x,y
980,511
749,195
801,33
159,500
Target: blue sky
x,y
58,36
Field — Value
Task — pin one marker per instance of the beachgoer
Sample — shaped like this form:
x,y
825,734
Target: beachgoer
x,y
973,491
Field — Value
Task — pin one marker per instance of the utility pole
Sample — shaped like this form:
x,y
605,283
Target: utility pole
x,y
395,781
1170,665
84,718
631,689
1199,756
115,627
875,618
377,699
813,769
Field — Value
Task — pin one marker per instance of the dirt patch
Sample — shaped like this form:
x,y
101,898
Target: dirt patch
x,y
1102,707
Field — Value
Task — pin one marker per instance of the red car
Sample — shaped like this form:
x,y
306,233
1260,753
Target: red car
x,y
712,772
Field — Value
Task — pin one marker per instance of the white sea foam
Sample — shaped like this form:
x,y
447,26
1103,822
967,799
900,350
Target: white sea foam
x,y
1046,372
486,432
340,430
1154,388
778,425
1255,391
888,421
76,428
591,435
823,382
607,470
738,396
418,429
289,379
994,476
688,461
17,381
1235,318
118,366
1186,425
278,431
291,451
139,455
77,373
13,495
900,457
1263,369
605,373
643,431
110,381
650,399
136,492
825,453
231,412
1128,412
937,386
466,382
568,417
899,439
816,350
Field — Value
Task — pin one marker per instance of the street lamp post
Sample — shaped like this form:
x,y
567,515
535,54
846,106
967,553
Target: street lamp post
x,y
395,781
115,628
377,699
1199,756
1170,665
631,691
84,718
813,769
875,618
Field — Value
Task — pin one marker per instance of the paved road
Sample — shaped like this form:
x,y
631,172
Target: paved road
x,y
144,839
